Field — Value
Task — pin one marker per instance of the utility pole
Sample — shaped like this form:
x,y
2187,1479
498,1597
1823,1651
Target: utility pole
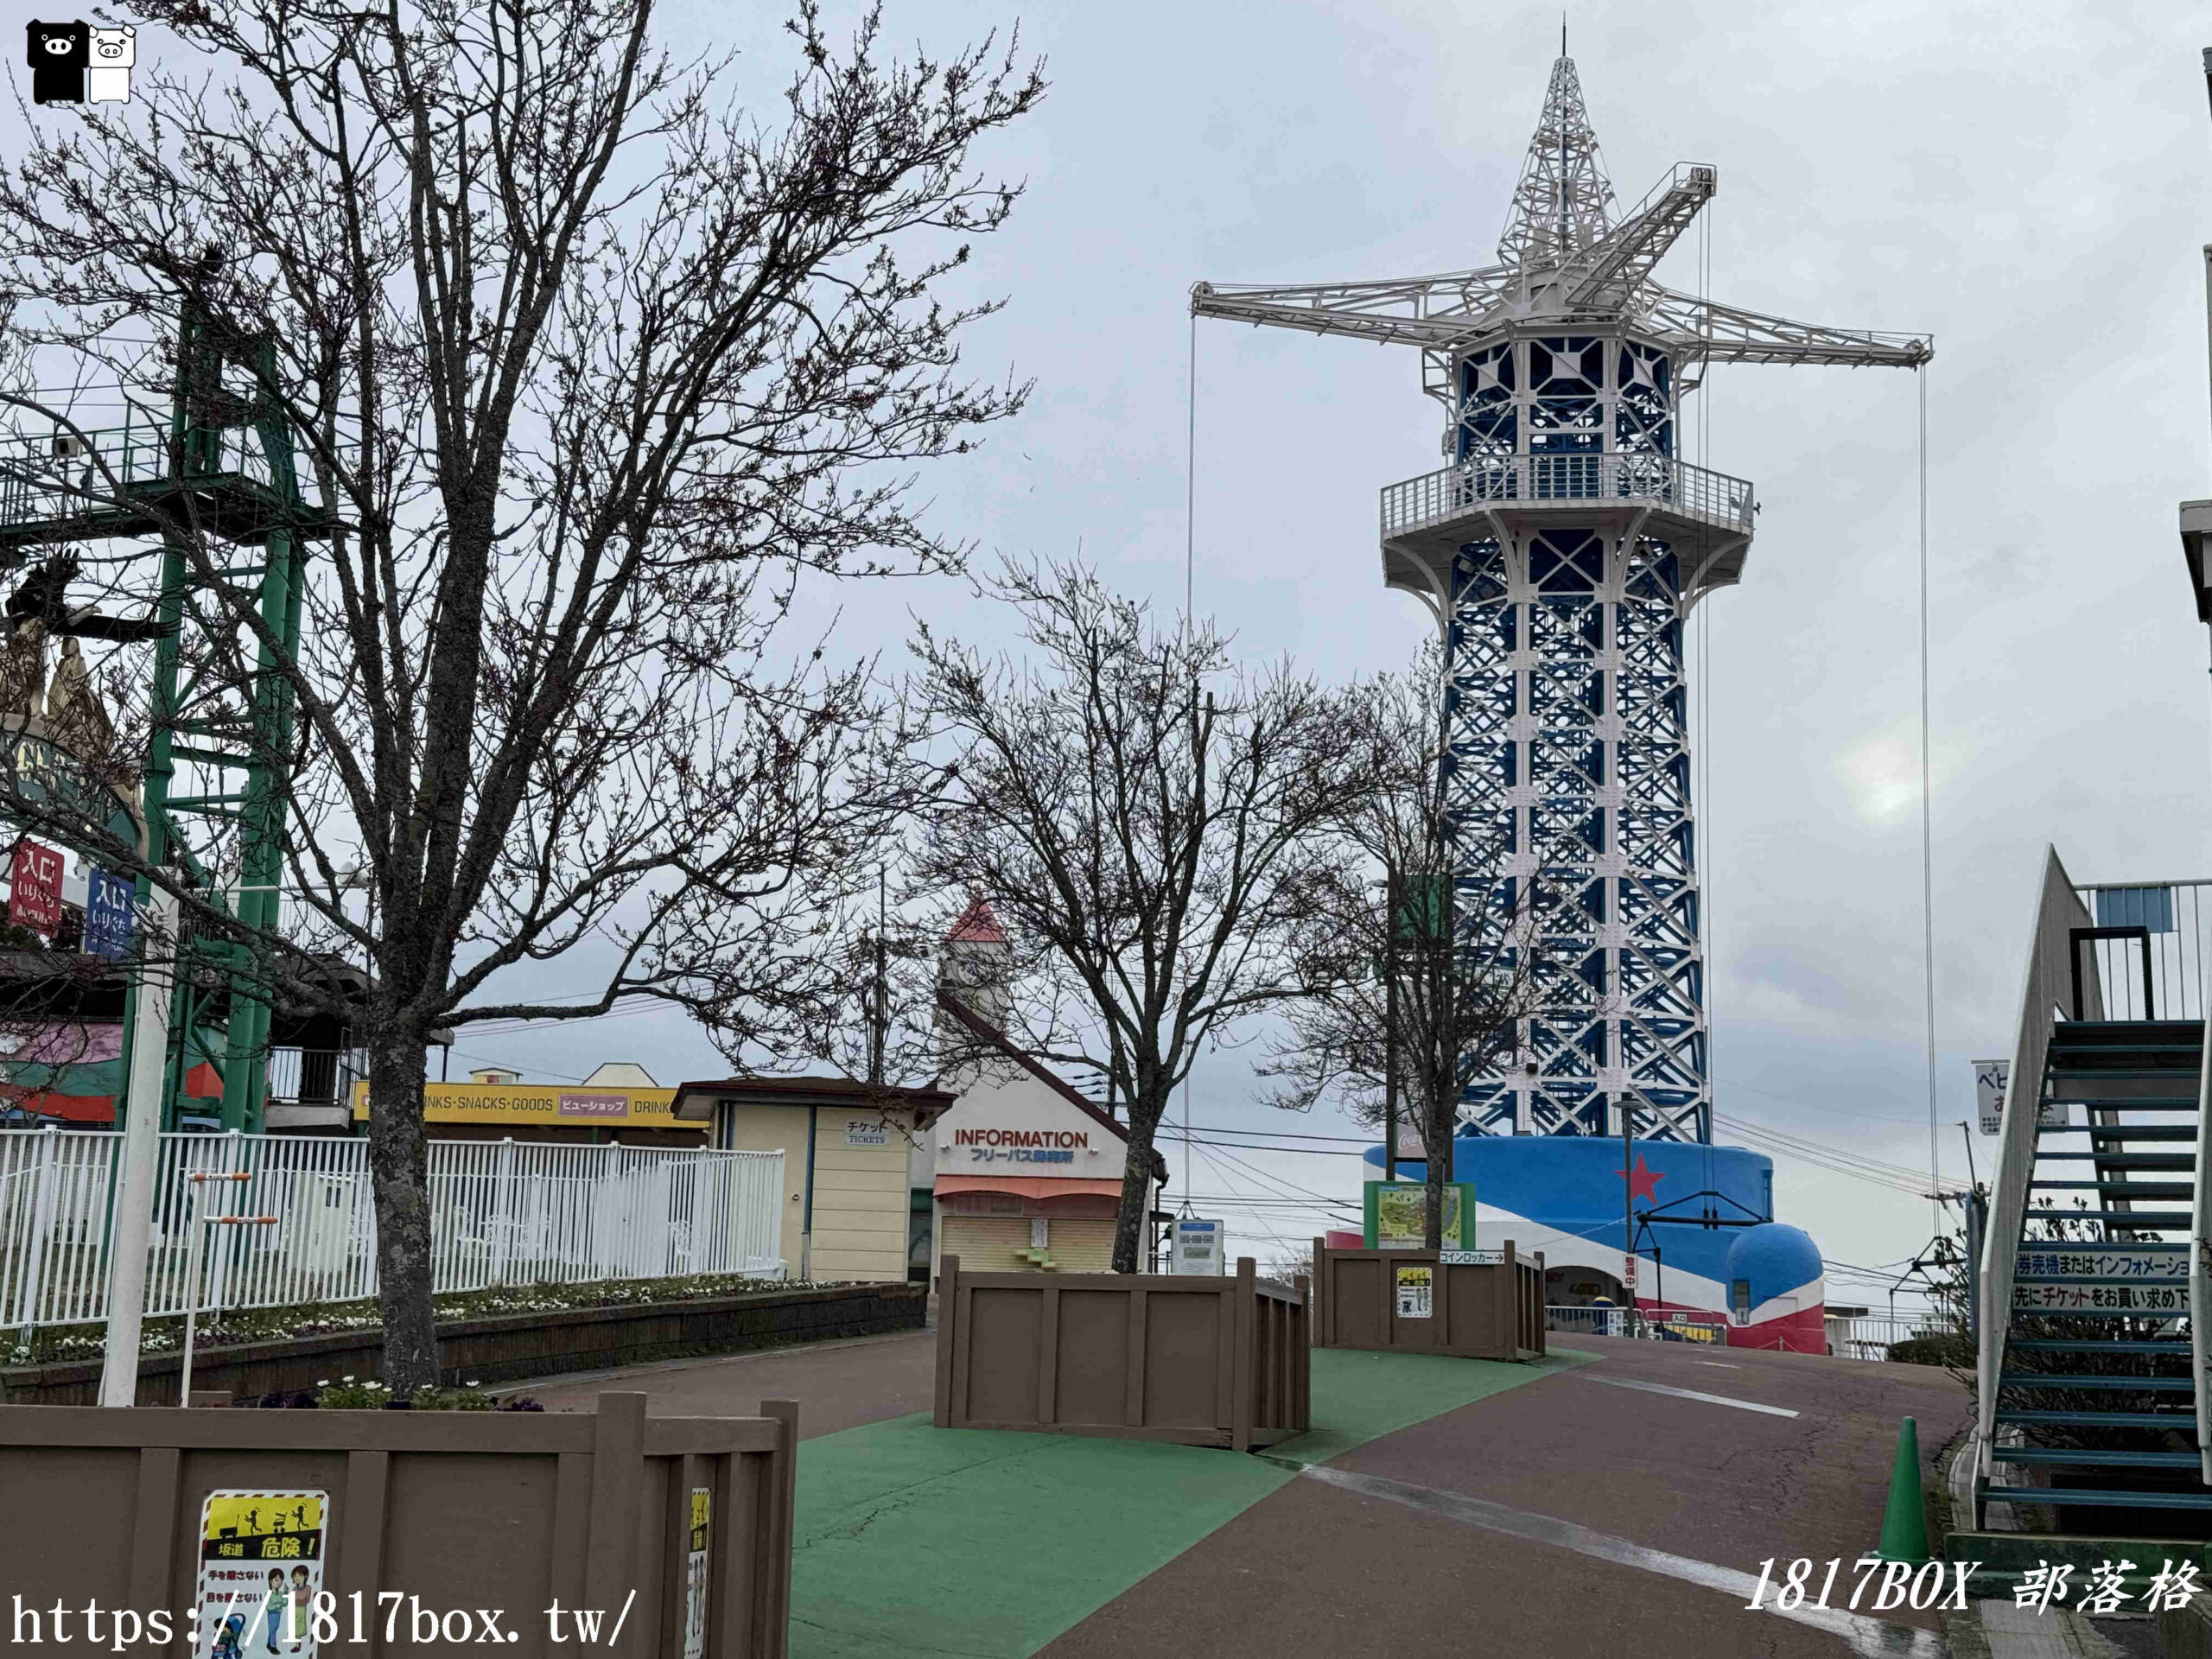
x,y
880,1014
1628,1206
140,1152
1390,1025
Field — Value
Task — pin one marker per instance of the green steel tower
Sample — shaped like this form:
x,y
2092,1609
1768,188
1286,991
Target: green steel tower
x,y
221,475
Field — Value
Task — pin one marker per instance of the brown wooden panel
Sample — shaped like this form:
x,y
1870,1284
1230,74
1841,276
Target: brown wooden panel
x,y
501,1524
1091,1359
1048,1351
152,1532
775,1601
1139,1318
947,1336
1005,1328
356,1559
1183,1343
1357,1301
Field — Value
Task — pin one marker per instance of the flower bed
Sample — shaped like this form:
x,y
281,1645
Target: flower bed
x,y
541,1337
235,1326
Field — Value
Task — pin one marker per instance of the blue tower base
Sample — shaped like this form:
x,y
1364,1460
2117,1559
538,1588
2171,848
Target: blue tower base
x,y
1711,1245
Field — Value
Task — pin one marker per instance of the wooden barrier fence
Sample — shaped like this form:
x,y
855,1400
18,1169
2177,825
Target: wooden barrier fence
x,y
1475,1310
460,1511
1202,1360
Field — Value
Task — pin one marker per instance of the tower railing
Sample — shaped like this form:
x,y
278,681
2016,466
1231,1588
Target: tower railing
x,y
56,478
1698,492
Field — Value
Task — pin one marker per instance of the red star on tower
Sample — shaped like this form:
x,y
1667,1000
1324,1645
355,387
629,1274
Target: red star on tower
x,y
1644,1183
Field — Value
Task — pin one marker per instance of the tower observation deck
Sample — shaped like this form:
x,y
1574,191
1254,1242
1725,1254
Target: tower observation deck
x,y
1560,551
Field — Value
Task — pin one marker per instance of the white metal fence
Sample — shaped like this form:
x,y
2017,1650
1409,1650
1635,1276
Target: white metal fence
x,y
501,1213
1869,1336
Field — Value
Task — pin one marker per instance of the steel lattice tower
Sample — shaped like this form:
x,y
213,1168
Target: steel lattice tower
x,y
1561,552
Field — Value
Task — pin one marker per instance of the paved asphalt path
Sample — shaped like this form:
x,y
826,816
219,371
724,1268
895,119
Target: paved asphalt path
x,y
1316,1569
837,1384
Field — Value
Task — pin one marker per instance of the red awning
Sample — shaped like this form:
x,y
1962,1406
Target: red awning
x,y
1025,1186
70,1109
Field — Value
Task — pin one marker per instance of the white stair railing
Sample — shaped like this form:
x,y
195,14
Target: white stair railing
x,y
2200,1258
2059,911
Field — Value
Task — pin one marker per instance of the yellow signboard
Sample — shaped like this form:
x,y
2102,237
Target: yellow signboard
x,y
575,1108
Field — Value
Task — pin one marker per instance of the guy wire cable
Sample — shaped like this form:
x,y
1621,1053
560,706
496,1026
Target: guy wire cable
x,y
1927,824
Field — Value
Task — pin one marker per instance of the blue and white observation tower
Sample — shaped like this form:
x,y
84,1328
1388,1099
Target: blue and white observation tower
x,y
1562,550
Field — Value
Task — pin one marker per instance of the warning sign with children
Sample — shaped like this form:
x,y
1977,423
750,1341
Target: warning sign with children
x,y
261,1555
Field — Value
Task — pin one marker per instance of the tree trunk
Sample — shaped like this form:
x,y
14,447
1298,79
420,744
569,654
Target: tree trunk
x,y
1436,1141
1134,1214
400,1150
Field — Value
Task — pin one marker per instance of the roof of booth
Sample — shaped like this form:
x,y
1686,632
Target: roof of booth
x,y
696,1100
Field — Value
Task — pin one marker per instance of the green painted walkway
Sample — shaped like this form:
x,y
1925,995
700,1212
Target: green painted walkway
x,y
916,1539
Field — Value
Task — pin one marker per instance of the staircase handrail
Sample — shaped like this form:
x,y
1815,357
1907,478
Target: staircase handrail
x,y
2200,1255
2059,911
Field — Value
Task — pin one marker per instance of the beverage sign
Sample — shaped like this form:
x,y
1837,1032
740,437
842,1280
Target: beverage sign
x,y
35,899
1196,1247
111,904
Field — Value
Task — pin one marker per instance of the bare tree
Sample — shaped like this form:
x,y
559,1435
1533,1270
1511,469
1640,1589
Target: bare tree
x,y
1419,957
1147,820
589,369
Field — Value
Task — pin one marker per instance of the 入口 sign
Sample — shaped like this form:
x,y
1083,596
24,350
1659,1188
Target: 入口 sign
x,y
35,901
110,905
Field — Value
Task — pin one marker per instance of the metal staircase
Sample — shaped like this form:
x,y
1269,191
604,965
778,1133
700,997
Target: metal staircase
x,y
2090,1370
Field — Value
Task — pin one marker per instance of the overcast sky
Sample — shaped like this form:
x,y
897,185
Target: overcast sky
x,y
2027,181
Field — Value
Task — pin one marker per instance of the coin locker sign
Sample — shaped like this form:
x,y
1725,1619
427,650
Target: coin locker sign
x,y
261,1556
1415,1289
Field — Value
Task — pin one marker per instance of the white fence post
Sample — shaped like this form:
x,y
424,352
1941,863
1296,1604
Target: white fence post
x,y
28,1309
503,1214
522,1214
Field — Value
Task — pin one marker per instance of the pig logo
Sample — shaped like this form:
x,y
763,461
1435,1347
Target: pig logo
x,y
59,54
108,79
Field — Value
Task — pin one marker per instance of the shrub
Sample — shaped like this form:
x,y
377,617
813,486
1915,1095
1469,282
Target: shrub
x,y
1952,1348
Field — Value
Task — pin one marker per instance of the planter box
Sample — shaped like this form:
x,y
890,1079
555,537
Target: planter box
x,y
460,1511
1199,1361
1475,1311
506,1347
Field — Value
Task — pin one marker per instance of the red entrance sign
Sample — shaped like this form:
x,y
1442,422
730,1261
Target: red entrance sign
x,y
35,901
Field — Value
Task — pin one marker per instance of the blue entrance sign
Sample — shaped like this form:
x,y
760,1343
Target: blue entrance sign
x,y
110,904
